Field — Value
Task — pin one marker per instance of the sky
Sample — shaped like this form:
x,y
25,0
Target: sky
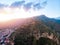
x,y
50,8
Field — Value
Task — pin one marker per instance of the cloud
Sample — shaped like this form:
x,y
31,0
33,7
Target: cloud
x,y
43,4
37,6
27,6
17,4
19,9
2,5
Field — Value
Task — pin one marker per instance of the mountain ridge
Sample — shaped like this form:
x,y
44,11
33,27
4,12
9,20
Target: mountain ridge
x,y
37,29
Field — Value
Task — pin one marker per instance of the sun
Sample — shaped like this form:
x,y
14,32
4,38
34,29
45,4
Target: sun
x,y
7,14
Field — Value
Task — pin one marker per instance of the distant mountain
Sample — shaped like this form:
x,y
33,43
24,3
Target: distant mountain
x,y
50,22
46,19
58,18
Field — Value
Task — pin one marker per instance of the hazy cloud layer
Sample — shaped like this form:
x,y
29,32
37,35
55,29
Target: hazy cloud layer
x,y
29,5
26,6
17,4
21,9
37,6
2,5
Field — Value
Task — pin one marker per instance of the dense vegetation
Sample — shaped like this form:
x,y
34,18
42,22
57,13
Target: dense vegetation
x,y
34,33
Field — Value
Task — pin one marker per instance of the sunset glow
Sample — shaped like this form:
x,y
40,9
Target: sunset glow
x,y
7,14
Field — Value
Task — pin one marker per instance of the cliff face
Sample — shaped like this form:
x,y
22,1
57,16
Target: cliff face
x,y
34,32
